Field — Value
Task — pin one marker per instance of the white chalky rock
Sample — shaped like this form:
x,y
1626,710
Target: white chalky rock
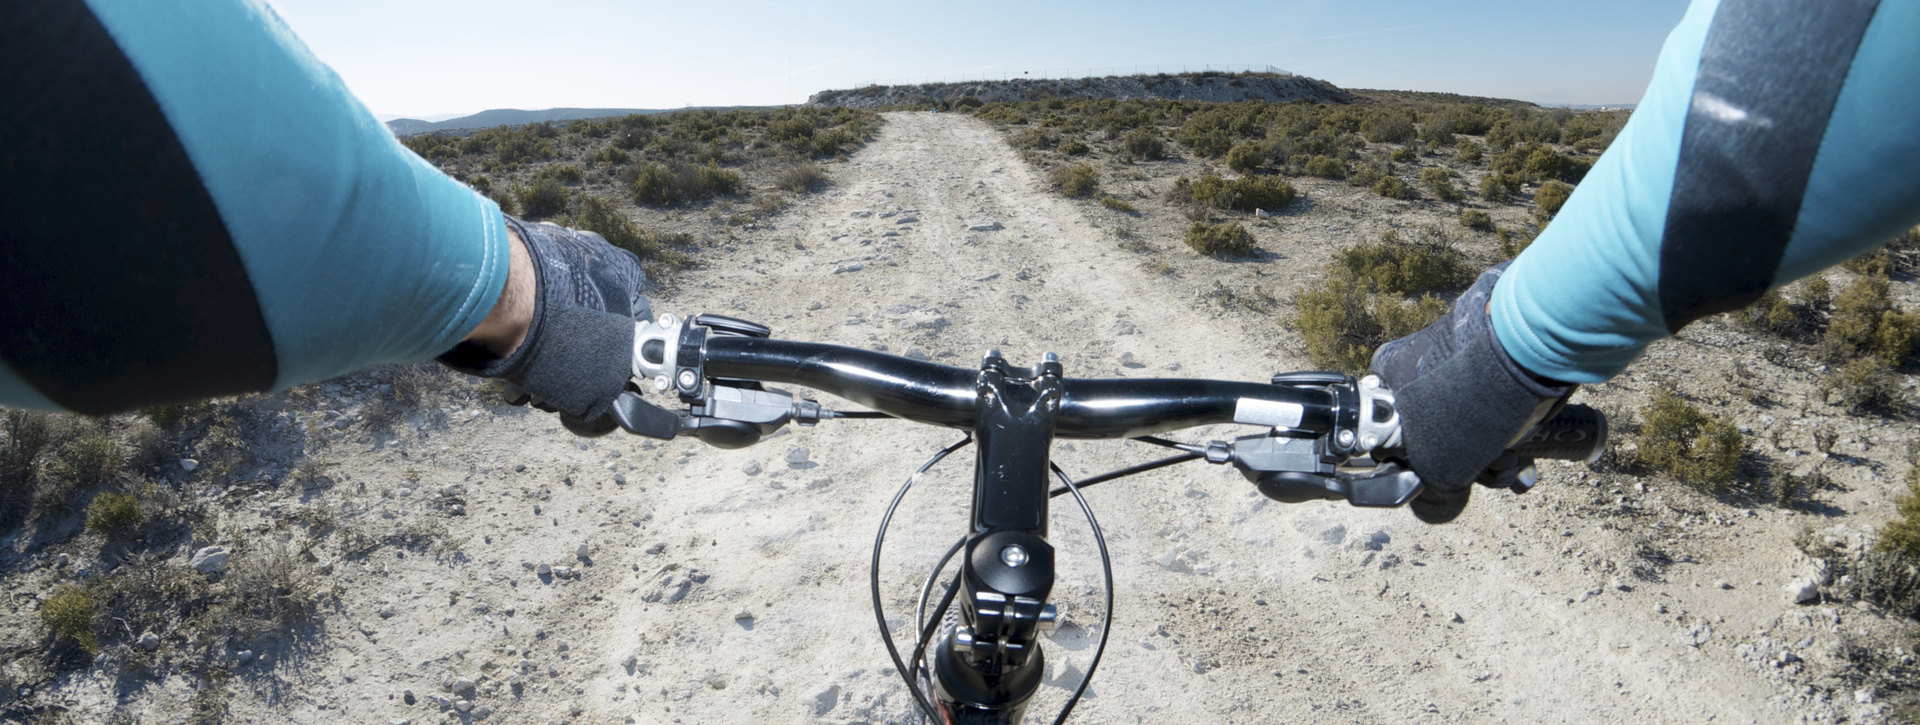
x,y
1802,591
210,560
188,464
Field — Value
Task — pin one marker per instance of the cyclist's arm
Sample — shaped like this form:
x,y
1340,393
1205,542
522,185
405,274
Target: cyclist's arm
x,y
194,205
1776,139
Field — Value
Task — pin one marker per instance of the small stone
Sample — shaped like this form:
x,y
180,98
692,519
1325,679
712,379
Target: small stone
x,y
62,561
543,569
462,706
563,572
1723,584
148,641
1802,591
407,697
798,454
581,553
849,267
985,227
462,686
245,655
520,468
752,468
210,560
1863,696
562,646
815,305
619,479
481,713
861,213
743,616
630,661
1457,619
188,464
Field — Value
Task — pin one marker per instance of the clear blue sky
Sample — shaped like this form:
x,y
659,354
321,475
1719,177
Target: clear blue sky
x,y
423,57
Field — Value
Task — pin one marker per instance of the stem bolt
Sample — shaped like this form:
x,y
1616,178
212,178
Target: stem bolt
x,y
688,380
1344,437
1013,556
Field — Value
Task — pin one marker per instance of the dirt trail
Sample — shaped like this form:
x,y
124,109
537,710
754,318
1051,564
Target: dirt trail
x,y
731,586
1229,609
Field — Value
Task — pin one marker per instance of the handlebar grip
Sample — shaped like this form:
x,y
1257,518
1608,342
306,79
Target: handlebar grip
x,y
1576,433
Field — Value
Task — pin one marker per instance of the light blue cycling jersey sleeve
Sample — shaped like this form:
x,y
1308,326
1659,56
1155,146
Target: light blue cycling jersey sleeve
x,y
359,251
1585,300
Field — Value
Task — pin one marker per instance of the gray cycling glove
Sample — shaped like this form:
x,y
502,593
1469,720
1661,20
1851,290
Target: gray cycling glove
x,y
1462,401
578,353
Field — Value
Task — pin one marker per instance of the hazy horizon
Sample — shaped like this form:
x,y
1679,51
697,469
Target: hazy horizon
x,y
434,59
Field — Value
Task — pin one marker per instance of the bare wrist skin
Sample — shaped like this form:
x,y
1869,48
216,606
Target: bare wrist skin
x,y
506,326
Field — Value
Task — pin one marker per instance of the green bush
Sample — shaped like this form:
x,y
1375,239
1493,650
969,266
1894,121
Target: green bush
x,y
1772,313
1227,239
1477,220
1326,168
1394,265
1403,155
69,615
1365,176
1444,190
1076,148
113,514
1551,196
1076,181
1116,204
1245,193
564,173
1344,320
1247,157
1866,385
659,185
1511,245
545,198
1392,187
1143,144
611,156
1695,447
1865,320
1902,534
802,178
1387,127
1469,153
1499,187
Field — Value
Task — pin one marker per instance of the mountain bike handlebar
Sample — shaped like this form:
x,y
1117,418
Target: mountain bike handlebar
x,y
1328,436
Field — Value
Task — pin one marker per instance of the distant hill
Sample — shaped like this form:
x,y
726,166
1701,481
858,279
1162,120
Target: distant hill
x,y
510,117
1405,98
1212,86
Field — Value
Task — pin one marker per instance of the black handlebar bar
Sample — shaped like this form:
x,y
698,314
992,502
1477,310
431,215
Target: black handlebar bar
x,y
944,395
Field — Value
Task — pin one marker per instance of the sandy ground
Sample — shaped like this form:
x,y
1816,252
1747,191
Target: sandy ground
x,y
731,586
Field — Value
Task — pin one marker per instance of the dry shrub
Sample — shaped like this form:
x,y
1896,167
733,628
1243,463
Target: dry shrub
x,y
1228,239
1427,261
1865,321
114,515
1866,385
69,615
1552,195
1699,449
1344,320
1245,193
802,179
1393,187
1077,181
1477,220
1142,144
1902,534
675,184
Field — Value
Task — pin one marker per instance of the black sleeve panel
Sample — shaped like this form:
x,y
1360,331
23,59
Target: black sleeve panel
x,y
1768,79
119,285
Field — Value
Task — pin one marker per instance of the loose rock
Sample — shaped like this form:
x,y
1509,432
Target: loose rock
x,y
210,560
1802,591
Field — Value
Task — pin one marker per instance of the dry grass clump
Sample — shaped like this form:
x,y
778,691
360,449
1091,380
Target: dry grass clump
x,y
1228,239
678,184
1699,449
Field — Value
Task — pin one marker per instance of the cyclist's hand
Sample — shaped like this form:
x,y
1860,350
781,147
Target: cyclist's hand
x,y
578,351
1462,402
